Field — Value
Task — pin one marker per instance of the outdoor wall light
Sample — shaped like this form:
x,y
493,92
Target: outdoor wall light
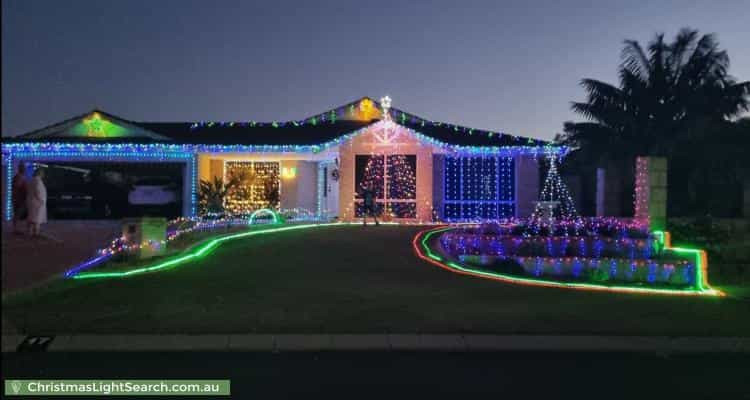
x,y
288,172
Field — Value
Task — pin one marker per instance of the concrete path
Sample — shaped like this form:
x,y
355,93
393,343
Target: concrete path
x,y
27,262
379,342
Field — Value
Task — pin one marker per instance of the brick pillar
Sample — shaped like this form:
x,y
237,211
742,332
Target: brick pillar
x,y
601,189
651,191
424,184
438,185
346,184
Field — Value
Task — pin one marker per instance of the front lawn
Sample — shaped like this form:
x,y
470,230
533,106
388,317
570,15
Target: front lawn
x,y
350,279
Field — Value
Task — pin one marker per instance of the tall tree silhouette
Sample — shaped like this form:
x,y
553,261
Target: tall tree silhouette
x,y
671,98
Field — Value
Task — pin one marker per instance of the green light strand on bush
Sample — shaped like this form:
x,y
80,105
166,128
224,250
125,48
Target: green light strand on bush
x,y
201,251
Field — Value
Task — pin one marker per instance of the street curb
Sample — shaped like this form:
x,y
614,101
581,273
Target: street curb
x,y
387,342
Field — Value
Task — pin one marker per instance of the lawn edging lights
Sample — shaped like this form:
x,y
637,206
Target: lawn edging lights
x,y
81,271
422,247
182,226
193,254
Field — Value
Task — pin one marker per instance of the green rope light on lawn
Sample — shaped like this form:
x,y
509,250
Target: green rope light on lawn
x,y
197,253
699,288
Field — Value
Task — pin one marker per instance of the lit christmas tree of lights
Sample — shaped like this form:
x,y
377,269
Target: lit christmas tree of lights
x,y
394,180
555,202
373,174
402,181
399,184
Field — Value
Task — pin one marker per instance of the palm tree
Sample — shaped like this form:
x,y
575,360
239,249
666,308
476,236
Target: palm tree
x,y
212,194
664,94
670,101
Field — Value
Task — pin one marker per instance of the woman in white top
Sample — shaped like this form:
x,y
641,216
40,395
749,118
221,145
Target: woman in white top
x,y
36,202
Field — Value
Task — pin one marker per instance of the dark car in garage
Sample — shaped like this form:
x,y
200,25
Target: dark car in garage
x,y
75,192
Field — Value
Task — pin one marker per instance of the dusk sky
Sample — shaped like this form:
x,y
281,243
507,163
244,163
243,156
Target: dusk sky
x,y
511,66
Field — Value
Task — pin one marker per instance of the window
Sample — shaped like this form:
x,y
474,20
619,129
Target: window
x,y
479,188
394,179
258,186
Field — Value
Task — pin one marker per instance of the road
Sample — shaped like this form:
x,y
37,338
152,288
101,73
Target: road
x,y
412,374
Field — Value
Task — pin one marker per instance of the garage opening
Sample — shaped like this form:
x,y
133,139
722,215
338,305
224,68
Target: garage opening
x,y
113,190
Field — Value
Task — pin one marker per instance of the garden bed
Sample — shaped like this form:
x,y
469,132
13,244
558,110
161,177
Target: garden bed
x,y
605,253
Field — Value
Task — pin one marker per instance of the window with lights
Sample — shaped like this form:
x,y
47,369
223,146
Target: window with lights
x,y
393,178
478,188
257,186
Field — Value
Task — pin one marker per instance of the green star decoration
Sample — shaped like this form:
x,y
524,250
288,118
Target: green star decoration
x,y
94,125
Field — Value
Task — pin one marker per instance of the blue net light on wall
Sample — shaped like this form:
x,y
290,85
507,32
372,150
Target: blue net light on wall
x,y
478,188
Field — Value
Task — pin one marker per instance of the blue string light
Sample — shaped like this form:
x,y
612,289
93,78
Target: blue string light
x,y
188,153
478,188
99,152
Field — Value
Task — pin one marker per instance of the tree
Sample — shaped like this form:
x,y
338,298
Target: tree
x,y
213,193
402,178
671,100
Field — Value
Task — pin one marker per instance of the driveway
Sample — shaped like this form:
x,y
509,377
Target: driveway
x,y
28,261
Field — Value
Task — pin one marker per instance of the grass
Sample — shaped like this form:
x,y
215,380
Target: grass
x,y
350,279
728,260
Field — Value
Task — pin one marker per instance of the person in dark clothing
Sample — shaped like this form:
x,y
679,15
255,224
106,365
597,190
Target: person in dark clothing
x,y
368,196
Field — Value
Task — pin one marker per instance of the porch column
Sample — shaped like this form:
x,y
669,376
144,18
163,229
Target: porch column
x,y
601,189
424,175
527,185
346,184
190,184
651,191
438,186
9,168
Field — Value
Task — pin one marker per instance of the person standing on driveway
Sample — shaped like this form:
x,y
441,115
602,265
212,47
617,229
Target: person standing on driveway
x,y
36,202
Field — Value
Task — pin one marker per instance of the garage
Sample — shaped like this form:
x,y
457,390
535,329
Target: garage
x,y
101,190
99,166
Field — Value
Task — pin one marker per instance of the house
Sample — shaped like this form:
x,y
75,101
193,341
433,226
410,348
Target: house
x,y
422,170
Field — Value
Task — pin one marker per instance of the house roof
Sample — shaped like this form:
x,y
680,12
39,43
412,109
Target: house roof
x,y
248,133
314,130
